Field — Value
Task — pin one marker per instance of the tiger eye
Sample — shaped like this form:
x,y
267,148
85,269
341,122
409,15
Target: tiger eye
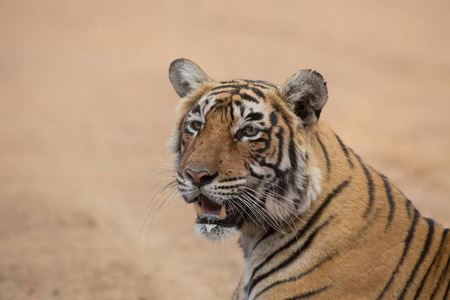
x,y
197,125
250,130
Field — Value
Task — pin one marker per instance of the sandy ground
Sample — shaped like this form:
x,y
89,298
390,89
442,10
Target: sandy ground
x,y
86,109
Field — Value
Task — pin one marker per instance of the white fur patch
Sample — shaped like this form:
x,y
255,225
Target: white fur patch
x,y
215,232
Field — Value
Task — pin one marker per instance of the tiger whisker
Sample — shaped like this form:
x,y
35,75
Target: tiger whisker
x,y
239,207
155,185
268,192
164,171
276,224
160,210
163,162
292,219
162,192
158,215
256,207
258,211
281,197
164,203
243,204
153,207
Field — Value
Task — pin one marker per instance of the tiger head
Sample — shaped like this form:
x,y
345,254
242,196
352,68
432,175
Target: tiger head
x,y
241,148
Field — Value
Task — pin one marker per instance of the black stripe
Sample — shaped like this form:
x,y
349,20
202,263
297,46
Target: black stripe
x,y
231,179
309,223
242,110
426,248
231,92
254,116
447,291
297,277
344,149
325,203
241,135
407,242
325,153
235,81
245,83
254,174
313,234
408,207
370,186
439,250
263,83
388,190
273,118
262,86
258,92
292,155
179,182
230,110
280,143
196,109
291,258
308,294
230,86
442,276
248,97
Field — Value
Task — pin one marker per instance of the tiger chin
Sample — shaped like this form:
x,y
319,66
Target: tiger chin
x,y
255,159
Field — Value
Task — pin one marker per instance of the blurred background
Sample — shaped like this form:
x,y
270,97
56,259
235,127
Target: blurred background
x,y
86,109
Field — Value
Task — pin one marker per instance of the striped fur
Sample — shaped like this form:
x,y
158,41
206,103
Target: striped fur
x,y
318,223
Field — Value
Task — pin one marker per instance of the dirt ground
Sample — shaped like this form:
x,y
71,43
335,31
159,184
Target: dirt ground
x,y
86,109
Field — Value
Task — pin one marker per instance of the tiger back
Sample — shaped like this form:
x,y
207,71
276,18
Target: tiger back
x,y
314,220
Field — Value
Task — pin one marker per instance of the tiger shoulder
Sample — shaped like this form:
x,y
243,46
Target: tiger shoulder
x,y
255,159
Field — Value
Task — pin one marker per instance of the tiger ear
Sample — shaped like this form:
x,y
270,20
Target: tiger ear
x,y
186,76
306,93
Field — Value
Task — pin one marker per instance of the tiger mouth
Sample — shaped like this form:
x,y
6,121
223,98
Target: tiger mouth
x,y
211,213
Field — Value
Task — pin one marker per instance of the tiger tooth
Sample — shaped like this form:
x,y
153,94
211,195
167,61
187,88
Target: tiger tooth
x,y
199,209
223,212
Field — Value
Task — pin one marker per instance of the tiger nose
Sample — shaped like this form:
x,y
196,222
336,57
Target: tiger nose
x,y
200,178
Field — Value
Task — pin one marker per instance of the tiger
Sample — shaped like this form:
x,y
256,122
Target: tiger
x,y
314,221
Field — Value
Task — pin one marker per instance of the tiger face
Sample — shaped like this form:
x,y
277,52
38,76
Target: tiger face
x,y
241,155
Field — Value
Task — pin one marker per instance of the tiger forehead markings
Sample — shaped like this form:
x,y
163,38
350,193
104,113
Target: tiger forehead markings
x,y
314,220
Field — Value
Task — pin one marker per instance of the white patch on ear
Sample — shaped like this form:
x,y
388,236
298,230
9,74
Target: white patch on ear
x,y
186,76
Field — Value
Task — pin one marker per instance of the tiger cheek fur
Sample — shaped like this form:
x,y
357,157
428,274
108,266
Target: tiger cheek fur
x,y
314,220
